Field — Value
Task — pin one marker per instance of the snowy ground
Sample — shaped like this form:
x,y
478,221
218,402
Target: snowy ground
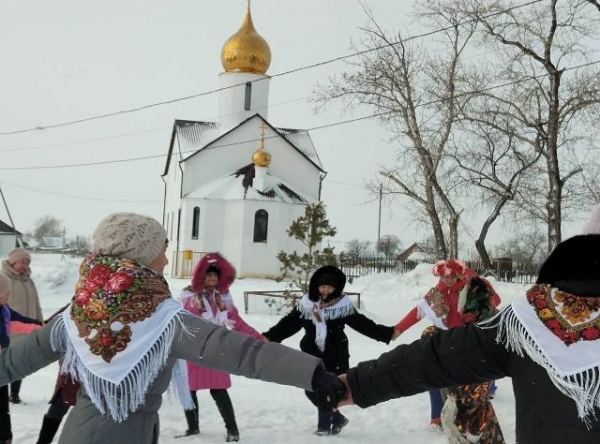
x,y
269,413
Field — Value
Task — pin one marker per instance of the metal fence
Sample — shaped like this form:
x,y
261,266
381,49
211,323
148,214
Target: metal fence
x,y
183,262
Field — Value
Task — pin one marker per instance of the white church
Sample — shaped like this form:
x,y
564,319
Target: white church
x,y
235,185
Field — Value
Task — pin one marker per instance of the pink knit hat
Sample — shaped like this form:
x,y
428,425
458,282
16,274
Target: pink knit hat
x,y
18,254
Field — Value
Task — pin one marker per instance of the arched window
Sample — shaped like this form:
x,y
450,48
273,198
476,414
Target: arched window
x,y
248,96
196,223
261,225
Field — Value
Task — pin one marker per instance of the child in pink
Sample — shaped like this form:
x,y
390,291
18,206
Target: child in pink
x,y
209,298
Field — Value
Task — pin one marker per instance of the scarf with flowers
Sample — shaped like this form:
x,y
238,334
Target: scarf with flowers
x,y
560,332
202,304
320,312
117,335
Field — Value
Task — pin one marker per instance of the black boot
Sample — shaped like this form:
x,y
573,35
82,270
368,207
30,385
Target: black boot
x,y
48,430
191,416
225,407
324,424
338,422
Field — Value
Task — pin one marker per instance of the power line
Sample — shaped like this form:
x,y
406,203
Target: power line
x,y
291,71
314,128
79,197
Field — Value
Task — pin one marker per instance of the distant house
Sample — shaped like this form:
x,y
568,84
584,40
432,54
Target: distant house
x,y
8,238
416,253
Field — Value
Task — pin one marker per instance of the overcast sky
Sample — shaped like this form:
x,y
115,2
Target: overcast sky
x,y
70,59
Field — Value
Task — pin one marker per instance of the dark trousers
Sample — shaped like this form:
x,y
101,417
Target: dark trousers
x,y
437,402
5,426
223,401
15,387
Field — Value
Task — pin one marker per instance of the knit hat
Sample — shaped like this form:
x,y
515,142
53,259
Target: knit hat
x,y
592,226
327,279
18,254
5,283
129,236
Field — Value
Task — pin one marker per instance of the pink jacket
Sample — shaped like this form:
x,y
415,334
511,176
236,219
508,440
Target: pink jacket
x,y
200,377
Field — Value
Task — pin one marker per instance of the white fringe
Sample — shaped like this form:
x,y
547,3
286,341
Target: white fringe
x,y
582,387
118,400
329,312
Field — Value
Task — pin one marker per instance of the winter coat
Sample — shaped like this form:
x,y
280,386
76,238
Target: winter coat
x,y
7,315
336,354
23,297
199,376
194,340
471,354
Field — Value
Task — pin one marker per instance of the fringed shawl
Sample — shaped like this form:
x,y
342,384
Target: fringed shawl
x,y
319,315
560,332
117,336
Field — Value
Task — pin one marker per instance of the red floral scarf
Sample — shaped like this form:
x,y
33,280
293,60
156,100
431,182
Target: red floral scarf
x,y
113,290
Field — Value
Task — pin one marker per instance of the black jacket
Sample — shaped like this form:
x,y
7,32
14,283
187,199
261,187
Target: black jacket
x,y
471,354
336,355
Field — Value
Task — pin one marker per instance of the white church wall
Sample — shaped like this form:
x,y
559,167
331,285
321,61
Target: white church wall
x,y
232,97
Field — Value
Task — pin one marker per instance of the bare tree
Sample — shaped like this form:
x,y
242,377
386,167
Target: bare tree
x,y
542,53
417,97
595,3
356,248
388,245
47,226
526,247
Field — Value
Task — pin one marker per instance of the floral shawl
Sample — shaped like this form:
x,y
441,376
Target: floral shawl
x,y
560,332
117,335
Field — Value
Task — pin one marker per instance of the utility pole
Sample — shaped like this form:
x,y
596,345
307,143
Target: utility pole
x,y
379,220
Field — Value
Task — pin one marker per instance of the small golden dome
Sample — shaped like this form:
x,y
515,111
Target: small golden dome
x,y
261,158
246,50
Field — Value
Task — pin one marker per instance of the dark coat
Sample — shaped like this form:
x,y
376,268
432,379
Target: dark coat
x,y
471,354
336,354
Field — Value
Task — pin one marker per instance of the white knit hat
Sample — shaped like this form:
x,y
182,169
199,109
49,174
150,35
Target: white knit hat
x,y
5,283
129,236
17,255
592,226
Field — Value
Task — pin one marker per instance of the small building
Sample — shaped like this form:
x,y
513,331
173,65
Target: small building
x,y
416,253
8,238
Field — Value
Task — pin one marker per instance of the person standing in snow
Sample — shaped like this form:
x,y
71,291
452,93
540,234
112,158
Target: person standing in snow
x,y
460,297
323,313
208,297
7,315
123,335
23,298
547,341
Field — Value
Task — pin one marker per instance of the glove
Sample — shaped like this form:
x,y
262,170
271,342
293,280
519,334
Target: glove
x,y
329,389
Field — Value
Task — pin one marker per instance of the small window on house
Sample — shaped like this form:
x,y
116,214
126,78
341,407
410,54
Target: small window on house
x,y
261,225
248,96
196,223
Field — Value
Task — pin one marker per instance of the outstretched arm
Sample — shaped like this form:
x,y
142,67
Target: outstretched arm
x,y
27,356
458,356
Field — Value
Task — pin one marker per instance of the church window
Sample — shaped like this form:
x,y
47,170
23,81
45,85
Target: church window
x,y
196,223
261,224
248,96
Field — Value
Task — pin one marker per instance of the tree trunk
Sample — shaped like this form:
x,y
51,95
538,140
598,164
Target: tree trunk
x,y
554,202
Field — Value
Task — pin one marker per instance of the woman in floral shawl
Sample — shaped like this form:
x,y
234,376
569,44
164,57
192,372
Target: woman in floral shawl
x,y
124,334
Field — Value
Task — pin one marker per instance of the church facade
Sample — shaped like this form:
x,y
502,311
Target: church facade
x,y
236,184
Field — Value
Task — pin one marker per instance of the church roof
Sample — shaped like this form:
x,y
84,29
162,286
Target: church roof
x,y
194,136
239,186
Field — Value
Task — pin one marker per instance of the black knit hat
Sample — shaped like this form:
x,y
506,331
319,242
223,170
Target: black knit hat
x,y
327,279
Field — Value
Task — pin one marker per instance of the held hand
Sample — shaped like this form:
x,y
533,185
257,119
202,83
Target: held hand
x,y
329,389
348,400
264,338
396,334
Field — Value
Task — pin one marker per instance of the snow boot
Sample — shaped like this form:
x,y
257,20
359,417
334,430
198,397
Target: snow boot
x,y
225,407
324,423
191,416
338,422
48,430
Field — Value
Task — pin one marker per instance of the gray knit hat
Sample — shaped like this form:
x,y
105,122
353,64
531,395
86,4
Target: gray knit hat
x,y
129,236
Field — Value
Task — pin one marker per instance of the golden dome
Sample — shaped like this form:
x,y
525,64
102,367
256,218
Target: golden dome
x,y
246,50
261,158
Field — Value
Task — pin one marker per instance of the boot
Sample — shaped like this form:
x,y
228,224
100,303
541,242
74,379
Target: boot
x,y
225,407
191,416
48,430
324,424
338,422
